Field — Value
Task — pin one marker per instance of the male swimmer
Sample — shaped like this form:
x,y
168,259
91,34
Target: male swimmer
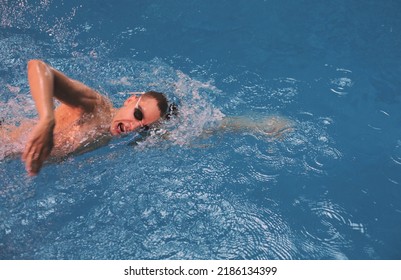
x,y
86,119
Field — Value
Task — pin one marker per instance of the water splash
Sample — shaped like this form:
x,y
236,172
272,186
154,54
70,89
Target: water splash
x,y
22,15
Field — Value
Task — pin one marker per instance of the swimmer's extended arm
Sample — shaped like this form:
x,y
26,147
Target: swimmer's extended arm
x,y
46,83
273,126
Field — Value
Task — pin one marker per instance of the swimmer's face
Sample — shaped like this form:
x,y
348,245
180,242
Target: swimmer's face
x,y
137,112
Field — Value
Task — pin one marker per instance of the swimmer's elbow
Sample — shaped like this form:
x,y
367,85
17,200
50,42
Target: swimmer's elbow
x,y
35,63
37,69
38,65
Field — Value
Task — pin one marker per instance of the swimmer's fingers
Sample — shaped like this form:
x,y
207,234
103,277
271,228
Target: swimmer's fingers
x,y
29,160
26,151
28,156
37,161
35,158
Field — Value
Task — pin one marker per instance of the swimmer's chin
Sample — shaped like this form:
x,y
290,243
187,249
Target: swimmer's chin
x,y
114,132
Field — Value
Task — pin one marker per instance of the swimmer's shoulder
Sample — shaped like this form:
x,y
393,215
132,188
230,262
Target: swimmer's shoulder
x,y
104,101
104,106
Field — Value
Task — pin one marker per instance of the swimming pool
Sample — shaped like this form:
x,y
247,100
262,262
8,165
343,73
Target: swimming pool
x,y
330,189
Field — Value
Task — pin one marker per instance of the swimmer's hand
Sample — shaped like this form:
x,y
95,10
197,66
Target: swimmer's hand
x,y
38,147
273,127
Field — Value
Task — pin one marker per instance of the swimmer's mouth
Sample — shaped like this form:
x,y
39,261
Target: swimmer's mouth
x,y
121,128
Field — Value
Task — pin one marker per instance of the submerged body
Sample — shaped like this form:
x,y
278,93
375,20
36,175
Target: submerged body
x,y
87,119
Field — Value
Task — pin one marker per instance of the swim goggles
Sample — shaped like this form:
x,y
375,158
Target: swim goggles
x,y
138,114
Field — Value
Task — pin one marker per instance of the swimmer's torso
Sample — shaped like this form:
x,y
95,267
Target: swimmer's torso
x,y
75,132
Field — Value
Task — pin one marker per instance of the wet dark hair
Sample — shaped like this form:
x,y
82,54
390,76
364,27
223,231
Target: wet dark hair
x,y
161,100
166,110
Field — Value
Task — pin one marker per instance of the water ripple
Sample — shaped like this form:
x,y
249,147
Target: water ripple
x,y
310,146
396,154
341,84
257,233
331,230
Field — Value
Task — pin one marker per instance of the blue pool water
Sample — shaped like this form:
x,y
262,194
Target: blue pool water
x,y
330,189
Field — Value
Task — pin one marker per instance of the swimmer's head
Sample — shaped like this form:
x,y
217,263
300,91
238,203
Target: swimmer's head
x,y
139,111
